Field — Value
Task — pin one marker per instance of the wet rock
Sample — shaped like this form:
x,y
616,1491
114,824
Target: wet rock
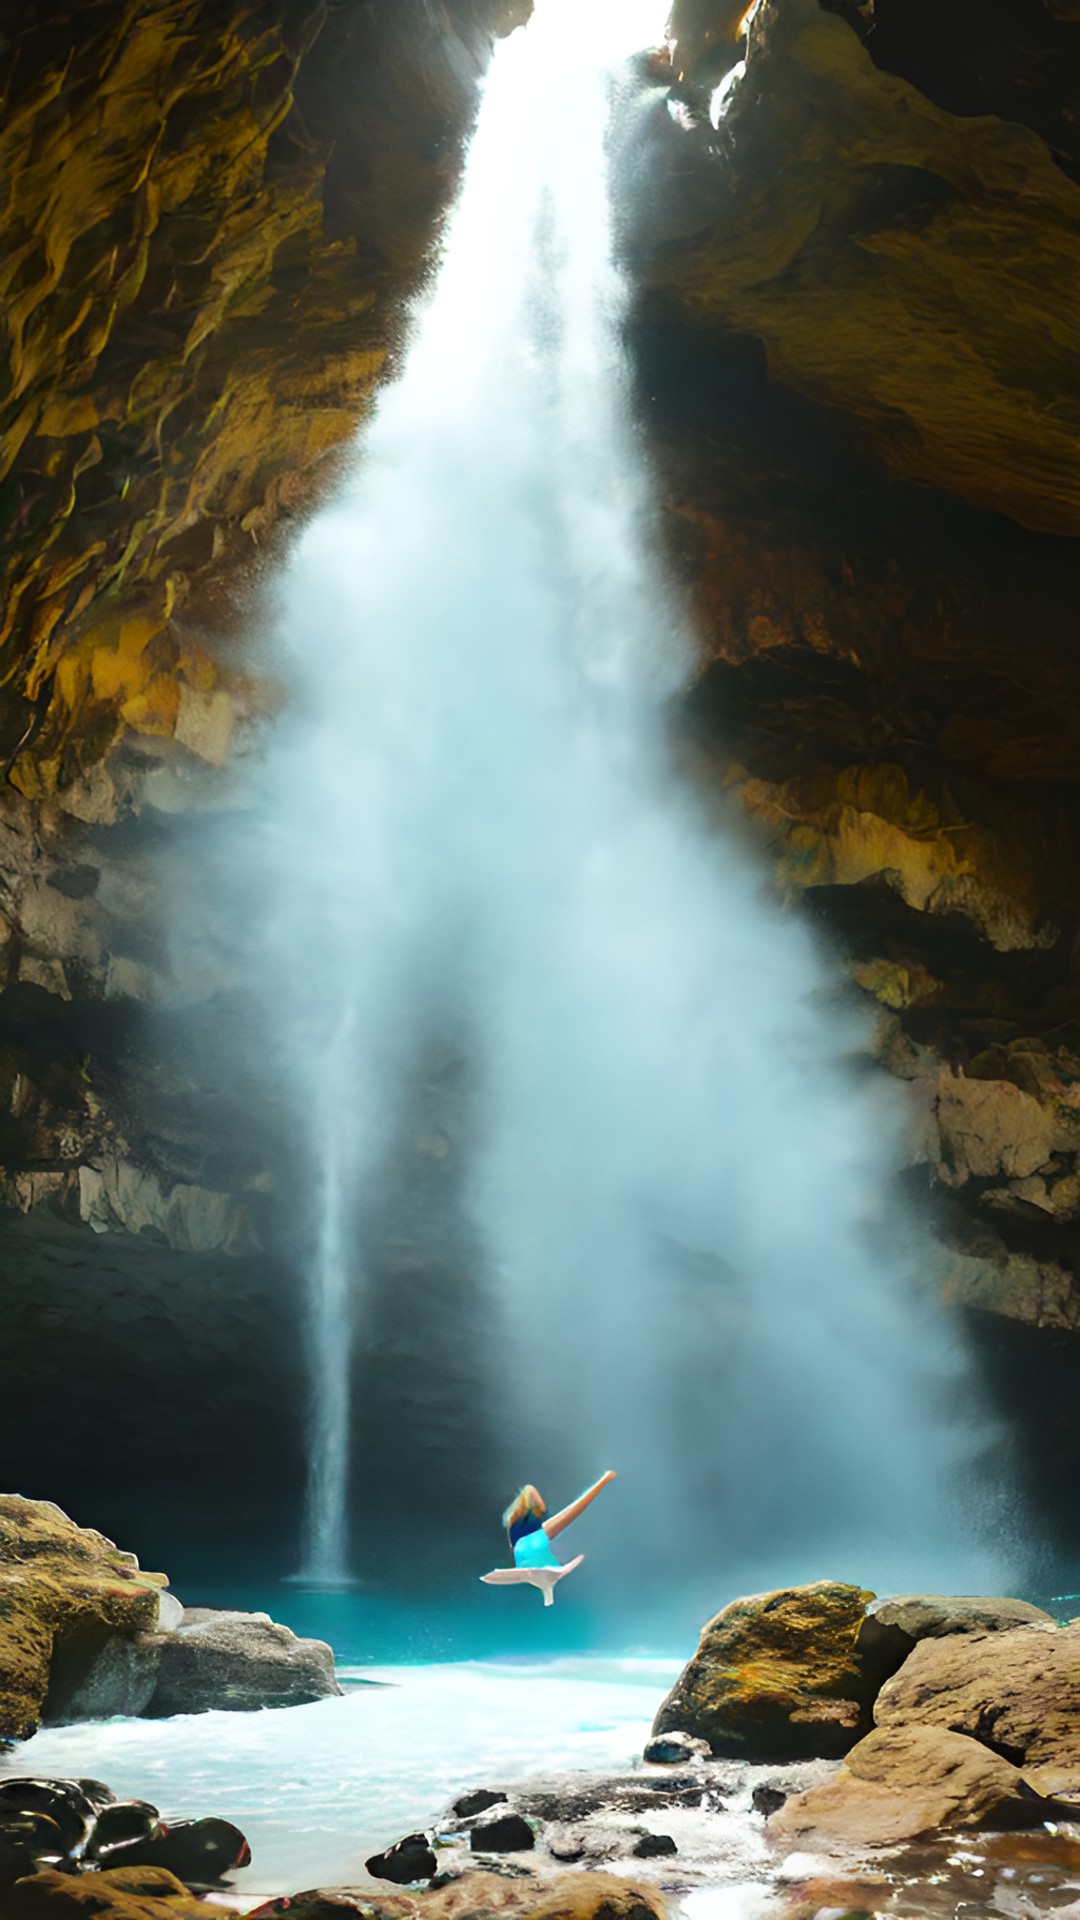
x,y
64,1590
902,1782
97,1674
1017,1693
67,1806
239,1662
566,1843
653,1846
199,1852
569,1896
478,1801
128,1893
124,1823
511,1834
674,1749
778,1676
27,1840
407,1860
767,1800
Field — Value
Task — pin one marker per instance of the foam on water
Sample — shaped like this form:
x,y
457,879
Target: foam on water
x,y
318,1788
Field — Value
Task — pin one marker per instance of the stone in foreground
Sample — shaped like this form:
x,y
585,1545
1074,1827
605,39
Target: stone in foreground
x,y
568,1896
902,1783
778,1676
510,1834
128,1893
407,1860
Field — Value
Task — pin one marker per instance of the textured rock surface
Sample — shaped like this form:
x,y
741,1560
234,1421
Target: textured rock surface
x,y
777,1676
875,278
932,1616
237,1662
1018,1693
125,1893
197,306
65,1594
902,1782
577,1896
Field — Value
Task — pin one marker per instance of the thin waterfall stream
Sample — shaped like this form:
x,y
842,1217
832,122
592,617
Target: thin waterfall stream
x,y
469,819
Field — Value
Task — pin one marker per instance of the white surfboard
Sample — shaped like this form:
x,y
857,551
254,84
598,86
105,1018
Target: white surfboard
x,y
545,1579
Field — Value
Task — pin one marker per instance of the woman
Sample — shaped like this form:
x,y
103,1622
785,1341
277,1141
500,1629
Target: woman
x,y
530,1538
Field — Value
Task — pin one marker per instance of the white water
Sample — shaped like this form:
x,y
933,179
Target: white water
x,y
318,1789
468,824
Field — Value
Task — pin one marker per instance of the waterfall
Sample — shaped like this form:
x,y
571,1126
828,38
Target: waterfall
x,y
469,817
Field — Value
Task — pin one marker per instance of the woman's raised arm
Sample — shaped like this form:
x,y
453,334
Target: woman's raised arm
x,y
560,1520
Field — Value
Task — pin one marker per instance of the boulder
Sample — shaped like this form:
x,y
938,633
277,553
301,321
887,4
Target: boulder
x,y
510,1834
778,1676
468,1805
653,1846
1016,1692
129,1893
201,1852
569,1896
238,1662
63,1802
674,1749
902,1782
66,1593
407,1860
97,1674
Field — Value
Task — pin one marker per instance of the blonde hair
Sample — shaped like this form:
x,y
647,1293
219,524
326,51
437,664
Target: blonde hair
x,y
527,1501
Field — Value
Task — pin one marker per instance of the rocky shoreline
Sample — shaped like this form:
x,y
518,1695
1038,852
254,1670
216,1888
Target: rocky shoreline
x,y
843,1754
86,1633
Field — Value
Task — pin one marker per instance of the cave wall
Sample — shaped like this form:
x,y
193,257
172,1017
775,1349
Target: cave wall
x,y
856,342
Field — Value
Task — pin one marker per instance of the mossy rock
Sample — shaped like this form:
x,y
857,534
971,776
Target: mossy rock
x,y
124,1893
58,1581
778,1676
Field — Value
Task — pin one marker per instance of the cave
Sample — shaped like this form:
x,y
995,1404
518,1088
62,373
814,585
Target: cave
x,y
853,367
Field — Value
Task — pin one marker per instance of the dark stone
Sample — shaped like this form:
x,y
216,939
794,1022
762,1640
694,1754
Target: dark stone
x,y
62,1801
407,1860
199,1852
511,1834
98,1794
26,1838
654,1846
121,1822
478,1801
767,1800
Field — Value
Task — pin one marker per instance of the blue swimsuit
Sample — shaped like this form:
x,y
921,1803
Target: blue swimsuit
x,y
532,1548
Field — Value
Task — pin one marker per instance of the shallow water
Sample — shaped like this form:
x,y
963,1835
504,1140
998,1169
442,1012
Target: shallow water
x,y
317,1789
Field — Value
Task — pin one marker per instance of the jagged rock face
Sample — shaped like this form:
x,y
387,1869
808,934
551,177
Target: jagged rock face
x,y
844,292
213,213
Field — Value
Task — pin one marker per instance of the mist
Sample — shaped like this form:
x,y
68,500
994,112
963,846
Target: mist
x,y
468,830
